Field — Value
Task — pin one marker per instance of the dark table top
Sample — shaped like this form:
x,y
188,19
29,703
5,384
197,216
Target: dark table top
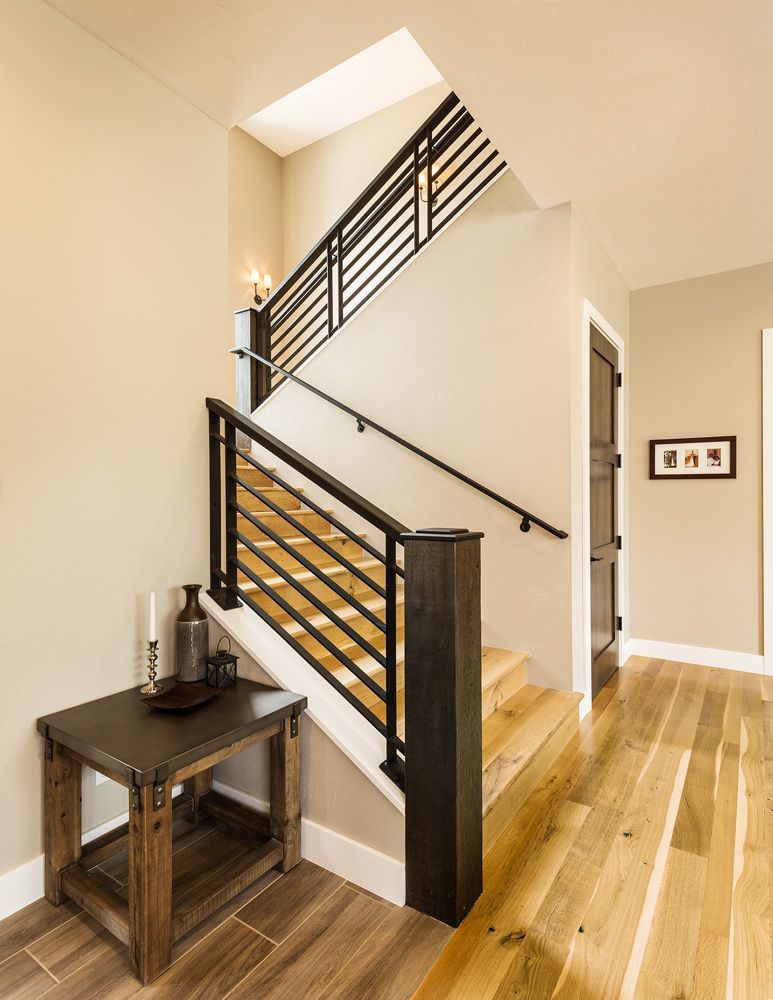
x,y
146,745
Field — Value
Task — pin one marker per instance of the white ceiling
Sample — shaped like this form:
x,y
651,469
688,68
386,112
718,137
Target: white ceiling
x,y
379,76
656,118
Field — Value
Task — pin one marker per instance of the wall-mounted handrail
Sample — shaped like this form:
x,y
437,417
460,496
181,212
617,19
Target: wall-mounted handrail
x,y
527,518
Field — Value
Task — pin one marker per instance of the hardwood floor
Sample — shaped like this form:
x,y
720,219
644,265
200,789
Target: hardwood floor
x,y
306,934
642,865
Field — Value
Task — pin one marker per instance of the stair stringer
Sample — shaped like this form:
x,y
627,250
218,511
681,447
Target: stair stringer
x,y
341,723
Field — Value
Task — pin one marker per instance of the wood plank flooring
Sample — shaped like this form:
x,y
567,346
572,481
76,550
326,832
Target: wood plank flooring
x,y
304,934
642,865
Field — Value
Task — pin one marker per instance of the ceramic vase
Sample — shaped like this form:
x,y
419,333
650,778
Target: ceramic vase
x,y
191,637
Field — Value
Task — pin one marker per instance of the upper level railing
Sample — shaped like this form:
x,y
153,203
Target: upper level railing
x,y
445,164
527,518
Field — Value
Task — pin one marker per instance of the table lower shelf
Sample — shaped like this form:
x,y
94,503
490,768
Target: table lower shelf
x,y
205,875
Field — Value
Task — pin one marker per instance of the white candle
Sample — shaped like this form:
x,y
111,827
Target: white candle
x,y
152,636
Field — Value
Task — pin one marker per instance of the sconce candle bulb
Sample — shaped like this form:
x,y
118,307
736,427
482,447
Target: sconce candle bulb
x,y
255,280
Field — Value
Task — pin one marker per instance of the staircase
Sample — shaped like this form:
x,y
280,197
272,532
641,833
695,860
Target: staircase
x,y
379,625
524,726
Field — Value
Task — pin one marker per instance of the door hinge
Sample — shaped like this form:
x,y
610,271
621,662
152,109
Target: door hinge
x,y
619,460
619,541
619,623
619,380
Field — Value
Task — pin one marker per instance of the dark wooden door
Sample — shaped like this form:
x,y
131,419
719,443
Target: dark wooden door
x,y
603,508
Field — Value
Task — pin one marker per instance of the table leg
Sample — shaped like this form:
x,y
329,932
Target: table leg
x,y
150,881
62,818
286,792
197,786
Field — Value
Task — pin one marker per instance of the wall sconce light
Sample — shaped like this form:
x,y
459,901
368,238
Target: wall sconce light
x,y
423,185
267,284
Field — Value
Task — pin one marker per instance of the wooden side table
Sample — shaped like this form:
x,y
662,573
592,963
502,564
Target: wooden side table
x,y
149,752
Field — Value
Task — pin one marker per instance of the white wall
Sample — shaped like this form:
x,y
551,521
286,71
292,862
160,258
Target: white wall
x,y
114,320
255,235
334,792
696,562
476,371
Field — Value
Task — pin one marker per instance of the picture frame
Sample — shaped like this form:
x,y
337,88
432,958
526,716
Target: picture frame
x,y
693,458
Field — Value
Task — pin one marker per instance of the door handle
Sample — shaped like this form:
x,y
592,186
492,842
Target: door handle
x,y
596,559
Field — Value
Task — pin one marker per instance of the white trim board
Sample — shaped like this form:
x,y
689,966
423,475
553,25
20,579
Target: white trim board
x,y
727,659
365,866
591,314
23,885
767,499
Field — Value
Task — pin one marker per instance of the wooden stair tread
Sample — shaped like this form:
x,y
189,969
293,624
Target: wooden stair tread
x,y
496,663
300,513
493,667
295,540
306,576
270,489
372,604
514,734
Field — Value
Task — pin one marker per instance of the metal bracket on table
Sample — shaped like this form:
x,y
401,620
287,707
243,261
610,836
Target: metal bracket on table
x,y
159,795
293,725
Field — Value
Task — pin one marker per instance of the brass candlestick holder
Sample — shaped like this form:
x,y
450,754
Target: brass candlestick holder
x,y
151,687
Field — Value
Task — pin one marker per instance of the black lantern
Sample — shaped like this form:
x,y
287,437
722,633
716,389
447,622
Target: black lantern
x,y
221,666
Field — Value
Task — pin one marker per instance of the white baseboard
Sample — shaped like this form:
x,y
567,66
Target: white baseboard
x,y
23,885
348,858
748,663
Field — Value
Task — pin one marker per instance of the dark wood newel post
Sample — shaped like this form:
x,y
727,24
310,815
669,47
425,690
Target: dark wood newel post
x,y
443,742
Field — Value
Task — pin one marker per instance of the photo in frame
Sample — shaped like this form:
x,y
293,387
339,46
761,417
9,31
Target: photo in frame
x,y
693,458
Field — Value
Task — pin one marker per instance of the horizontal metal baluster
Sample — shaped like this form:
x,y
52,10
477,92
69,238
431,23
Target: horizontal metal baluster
x,y
303,530
313,319
472,194
443,167
382,249
385,228
312,630
400,247
272,475
441,188
297,299
449,138
318,572
315,601
398,189
465,181
299,648
315,333
299,319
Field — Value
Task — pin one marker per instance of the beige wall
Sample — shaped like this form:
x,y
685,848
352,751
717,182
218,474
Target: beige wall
x,y
334,792
478,374
321,180
254,215
696,547
595,279
114,326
